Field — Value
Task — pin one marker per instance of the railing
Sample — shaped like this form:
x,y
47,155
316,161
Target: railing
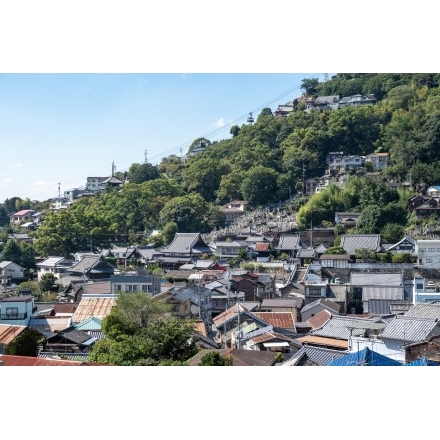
x,y
17,317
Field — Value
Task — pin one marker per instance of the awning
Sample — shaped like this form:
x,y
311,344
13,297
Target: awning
x,y
276,344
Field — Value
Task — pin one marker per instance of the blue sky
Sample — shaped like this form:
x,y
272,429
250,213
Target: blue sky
x,y
62,128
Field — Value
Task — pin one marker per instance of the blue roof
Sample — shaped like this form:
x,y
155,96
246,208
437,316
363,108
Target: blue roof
x,y
423,362
365,357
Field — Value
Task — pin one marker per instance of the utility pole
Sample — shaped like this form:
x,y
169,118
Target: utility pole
x,y
304,179
146,156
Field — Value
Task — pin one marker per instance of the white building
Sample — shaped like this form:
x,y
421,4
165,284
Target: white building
x,y
428,254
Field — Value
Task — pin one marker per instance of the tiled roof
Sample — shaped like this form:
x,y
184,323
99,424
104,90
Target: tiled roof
x,y
319,319
91,263
351,242
289,242
27,361
9,332
262,247
365,357
240,357
97,287
73,335
319,356
325,303
376,279
51,261
279,302
98,307
425,311
410,329
185,243
337,327
277,319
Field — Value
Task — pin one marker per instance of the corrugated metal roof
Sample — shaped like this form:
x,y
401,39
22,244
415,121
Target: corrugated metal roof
x,y
98,307
374,292
411,329
327,342
289,242
9,332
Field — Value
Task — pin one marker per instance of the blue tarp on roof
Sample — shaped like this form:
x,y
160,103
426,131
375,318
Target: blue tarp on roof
x,y
365,357
423,362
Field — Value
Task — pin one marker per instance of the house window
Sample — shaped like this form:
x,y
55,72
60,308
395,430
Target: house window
x,y
128,288
118,287
431,249
11,312
422,249
314,291
175,308
429,260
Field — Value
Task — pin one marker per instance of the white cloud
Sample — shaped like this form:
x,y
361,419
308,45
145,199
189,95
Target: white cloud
x,y
18,165
7,182
220,122
40,183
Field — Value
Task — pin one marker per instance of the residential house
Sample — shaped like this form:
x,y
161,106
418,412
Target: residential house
x,y
366,286
310,186
281,305
17,310
230,249
180,303
69,340
407,245
58,266
352,163
49,325
340,261
356,100
379,161
283,110
95,184
234,210
332,156
322,103
256,286
316,307
25,215
433,191
428,254
92,267
135,283
424,291
10,271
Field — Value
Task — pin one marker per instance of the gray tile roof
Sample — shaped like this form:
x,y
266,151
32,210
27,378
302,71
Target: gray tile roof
x,y
338,327
411,329
375,292
376,279
289,242
318,356
331,305
187,243
351,242
279,302
425,311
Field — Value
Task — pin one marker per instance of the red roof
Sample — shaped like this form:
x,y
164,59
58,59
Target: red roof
x,y
29,361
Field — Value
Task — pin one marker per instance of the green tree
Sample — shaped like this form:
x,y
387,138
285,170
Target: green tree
x,y
142,172
46,282
215,359
260,185
140,331
33,286
26,343
12,252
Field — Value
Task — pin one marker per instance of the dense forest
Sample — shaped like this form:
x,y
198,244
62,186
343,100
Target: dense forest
x,y
267,162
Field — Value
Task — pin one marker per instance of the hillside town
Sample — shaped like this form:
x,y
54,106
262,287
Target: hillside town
x,y
266,286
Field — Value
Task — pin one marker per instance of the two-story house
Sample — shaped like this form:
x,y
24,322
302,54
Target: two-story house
x,y
428,254
17,310
135,283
